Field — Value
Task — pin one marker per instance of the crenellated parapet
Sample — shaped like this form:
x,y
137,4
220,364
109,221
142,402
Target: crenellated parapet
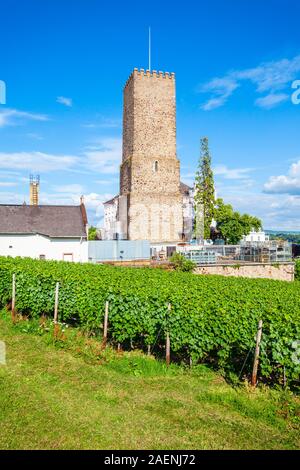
x,y
140,73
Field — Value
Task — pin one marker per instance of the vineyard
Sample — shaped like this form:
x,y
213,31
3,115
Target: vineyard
x,y
212,319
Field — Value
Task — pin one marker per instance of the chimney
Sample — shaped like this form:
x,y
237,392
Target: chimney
x,y
34,190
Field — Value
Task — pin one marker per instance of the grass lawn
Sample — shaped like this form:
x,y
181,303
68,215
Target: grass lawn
x,y
53,398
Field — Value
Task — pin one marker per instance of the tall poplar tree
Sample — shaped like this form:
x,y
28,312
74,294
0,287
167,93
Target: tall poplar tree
x,y
204,191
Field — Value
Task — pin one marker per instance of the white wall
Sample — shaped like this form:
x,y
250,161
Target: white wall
x,y
110,215
256,237
35,245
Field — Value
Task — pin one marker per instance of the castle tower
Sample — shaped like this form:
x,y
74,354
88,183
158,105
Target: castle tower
x,y
150,171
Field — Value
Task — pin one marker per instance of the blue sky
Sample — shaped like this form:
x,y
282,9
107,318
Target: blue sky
x,y
65,63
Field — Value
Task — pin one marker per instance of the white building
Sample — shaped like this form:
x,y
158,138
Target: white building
x,y
44,232
188,210
256,237
111,226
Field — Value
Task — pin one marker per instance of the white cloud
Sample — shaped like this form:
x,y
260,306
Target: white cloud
x,y
9,117
103,122
4,184
95,202
107,181
271,100
233,173
92,201
222,89
104,156
285,184
9,174
11,198
278,212
65,101
282,184
69,188
269,77
36,161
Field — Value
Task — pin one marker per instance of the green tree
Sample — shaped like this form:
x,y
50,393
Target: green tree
x,y
92,233
204,190
231,225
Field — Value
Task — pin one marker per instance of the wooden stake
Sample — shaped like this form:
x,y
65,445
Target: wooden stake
x,y
13,301
284,377
56,310
256,354
105,325
168,347
149,350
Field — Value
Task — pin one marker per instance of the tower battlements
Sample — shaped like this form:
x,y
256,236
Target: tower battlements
x,y
141,73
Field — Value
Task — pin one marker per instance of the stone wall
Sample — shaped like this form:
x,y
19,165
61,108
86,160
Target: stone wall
x,y
149,115
150,170
138,174
155,217
280,271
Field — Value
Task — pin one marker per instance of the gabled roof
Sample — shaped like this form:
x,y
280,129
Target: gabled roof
x,y
184,188
111,201
52,221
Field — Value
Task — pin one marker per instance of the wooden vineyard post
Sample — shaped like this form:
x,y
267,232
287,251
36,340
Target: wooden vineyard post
x,y
56,310
168,348
13,300
104,341
256,354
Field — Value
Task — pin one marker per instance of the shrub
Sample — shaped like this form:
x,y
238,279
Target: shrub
x,y
180,263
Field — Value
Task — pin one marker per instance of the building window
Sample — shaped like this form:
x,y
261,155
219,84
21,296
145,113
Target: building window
x,y
42,257
68,256
155,166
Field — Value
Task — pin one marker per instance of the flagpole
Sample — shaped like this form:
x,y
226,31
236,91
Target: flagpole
x,y
149,48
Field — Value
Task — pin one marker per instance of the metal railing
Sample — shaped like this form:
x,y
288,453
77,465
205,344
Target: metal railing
x,y
246,252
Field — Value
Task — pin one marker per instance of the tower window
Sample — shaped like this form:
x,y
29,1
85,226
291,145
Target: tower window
x,y
155,166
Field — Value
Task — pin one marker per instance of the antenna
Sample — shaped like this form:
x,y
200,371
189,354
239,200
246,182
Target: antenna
x,y
149,48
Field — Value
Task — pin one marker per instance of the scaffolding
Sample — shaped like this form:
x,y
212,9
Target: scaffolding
x,y
266,252
34,189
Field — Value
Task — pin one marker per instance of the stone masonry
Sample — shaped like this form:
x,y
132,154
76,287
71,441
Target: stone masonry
x,y
150,170
280,271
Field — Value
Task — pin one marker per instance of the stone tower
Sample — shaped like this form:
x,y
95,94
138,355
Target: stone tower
x,y
150,171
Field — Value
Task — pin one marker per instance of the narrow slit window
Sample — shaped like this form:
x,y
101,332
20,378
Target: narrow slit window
x,y
155,166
